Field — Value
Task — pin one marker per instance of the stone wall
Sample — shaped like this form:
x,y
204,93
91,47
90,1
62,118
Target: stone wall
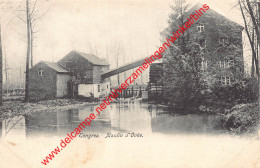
x,y
42,87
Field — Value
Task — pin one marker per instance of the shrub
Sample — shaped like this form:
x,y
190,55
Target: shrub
x,y
243,118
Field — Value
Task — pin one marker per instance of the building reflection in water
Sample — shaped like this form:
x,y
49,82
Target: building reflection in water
x,y
131,116
100,124
128,116
65,120
13,129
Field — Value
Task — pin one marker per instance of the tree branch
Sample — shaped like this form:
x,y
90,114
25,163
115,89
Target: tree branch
x,y
253,20
33,9
16,13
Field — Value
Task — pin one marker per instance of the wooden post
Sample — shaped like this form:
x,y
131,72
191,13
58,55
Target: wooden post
x,y
140,92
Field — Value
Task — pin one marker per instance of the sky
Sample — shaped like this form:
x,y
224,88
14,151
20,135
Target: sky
x,y
92,26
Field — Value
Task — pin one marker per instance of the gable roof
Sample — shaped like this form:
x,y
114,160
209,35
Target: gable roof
x,y
55,66
92,58
219,19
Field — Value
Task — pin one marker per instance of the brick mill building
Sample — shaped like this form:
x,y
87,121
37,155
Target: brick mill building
x,y
220,41
76,73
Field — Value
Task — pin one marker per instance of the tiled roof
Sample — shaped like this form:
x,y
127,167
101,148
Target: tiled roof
x,y
93,59
56,67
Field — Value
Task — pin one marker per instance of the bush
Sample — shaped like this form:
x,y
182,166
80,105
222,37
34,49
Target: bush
x,y
245,91
243,118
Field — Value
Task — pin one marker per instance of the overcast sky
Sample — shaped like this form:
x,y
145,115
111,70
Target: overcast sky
x,y
92,26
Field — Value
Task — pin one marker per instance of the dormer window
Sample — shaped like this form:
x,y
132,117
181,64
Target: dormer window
x,y
200,28
40,72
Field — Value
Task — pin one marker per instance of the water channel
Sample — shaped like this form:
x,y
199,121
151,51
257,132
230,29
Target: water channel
x,y
132,116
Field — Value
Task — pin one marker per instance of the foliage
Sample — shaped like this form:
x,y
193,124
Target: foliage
x,y
226,96
182,77
182,73
188,85
243,118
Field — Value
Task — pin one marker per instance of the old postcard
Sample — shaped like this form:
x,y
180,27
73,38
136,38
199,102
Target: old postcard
x,y
129,84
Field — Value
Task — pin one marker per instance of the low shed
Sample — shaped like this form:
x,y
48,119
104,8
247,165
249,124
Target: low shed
x,y
48,80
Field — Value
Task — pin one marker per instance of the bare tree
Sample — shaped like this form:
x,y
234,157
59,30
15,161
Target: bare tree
x,y
96,52
1,70
26,99
90,48
252,31
124,64
107,54
32,22
117,53
32,17
132,59
31,42
251,15
6,70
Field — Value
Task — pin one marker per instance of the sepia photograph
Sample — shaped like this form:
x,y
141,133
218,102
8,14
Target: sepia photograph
x,y
129,84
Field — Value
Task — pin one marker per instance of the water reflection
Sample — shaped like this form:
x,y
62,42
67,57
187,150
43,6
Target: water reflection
x,y
188,124
131,116
13,129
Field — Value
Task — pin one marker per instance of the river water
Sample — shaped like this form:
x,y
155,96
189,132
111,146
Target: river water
x,y
169,140
131,116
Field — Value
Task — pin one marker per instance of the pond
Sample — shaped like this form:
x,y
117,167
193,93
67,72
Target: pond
x,y
131,116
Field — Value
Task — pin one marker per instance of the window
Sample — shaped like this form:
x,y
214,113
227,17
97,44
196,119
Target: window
x,y
225,80
221,64
231,63
205,83
204,65
217,81
228,81
200,28
223,41
202,51
202,43
40,72
88,74
98,88
73,72
226,63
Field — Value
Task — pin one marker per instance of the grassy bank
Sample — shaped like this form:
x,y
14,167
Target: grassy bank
x,y
243,119
12,108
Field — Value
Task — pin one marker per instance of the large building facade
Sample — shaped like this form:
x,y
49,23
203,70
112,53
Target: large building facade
x,y
220,42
